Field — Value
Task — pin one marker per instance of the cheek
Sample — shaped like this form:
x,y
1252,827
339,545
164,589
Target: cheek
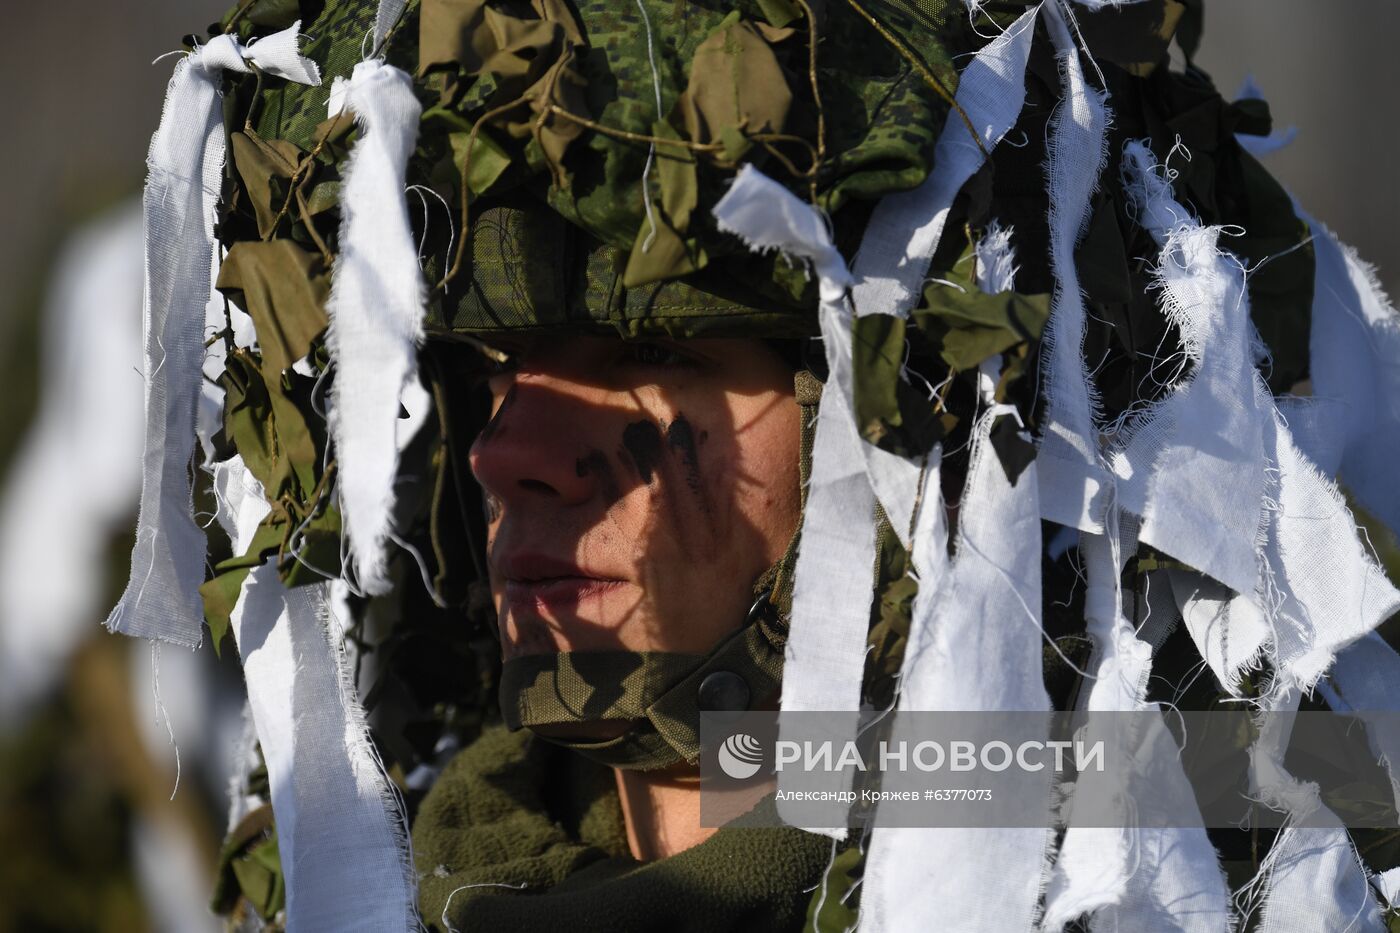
x,y
765,475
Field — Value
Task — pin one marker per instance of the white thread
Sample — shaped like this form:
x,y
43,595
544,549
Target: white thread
x,y
821,901
451,227
164,715
651,149
422,569
484,884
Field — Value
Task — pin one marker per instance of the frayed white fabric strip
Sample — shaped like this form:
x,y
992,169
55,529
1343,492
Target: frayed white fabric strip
x,y
1133,877
996,260
988,608
1305,587
905,227
769,218
1196,460
385,18
1355,371
376,309
825,657
1312,878
1072,477
340,825
1101,4
1231,633
1129,877
1218,478
1324,586
184,169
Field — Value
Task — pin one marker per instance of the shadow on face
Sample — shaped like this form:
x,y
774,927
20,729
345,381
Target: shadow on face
x,y
635,491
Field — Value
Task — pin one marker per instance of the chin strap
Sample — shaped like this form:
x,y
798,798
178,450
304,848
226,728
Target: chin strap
x,y
661,693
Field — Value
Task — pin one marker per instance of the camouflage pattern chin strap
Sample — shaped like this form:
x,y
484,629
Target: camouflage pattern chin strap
x,y
660,693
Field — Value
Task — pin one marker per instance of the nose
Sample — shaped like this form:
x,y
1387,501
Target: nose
x,y
533,447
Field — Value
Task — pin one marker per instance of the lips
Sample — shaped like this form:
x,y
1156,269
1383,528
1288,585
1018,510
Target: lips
x,y
541,582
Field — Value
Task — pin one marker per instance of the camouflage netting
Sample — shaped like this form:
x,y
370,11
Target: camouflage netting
x,y
551,192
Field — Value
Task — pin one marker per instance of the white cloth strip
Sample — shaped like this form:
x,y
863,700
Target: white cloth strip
x,y
1230,632
1354,364
1196,460
1312,878
825,656
1100,4
1133,877
340,827
1327,589
385,17
1215,462
1072,477
996,260
905,227
184,169
376,309
988,608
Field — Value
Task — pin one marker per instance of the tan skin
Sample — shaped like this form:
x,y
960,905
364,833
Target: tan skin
x,y
635,492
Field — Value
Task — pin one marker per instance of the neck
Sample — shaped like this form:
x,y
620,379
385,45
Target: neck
x,y
662,811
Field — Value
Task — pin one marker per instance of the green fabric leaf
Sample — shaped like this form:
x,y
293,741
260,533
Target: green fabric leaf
x,y
324,196
735,84
284,289
970,326
273,425
488,160
890,413
318,547
529,51
220,594
260,878
834,906
248,415
266,168
273,14
254,831
780,13
664,251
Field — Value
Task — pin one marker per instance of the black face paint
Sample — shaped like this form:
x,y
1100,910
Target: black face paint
x,y
681,436
596,464
642,440
493,427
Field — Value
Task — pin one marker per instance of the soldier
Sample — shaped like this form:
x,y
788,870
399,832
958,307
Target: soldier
x,y
596,313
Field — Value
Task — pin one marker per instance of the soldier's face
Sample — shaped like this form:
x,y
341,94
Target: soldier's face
x,y
635,491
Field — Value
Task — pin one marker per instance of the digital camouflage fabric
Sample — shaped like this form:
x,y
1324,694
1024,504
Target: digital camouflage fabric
x,y
568,156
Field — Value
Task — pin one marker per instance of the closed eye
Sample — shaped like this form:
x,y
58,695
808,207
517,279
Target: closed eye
x,y
652,354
